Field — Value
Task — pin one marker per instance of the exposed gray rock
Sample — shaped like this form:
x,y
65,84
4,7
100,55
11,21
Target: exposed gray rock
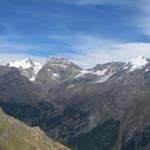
x,y
73,105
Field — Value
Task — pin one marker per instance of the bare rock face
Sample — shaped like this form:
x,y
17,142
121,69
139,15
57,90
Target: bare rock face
x,y
57,69
106,107
15,87
55,72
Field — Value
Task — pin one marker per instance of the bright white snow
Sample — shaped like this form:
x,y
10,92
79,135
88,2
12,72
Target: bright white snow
x,y
137,63
98,73
24,64
33,78
103,79
37,67
146,70
56,76
82,73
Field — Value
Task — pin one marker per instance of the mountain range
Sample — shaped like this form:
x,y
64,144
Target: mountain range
x,y
102,108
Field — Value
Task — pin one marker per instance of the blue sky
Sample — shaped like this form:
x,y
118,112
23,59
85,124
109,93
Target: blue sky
x,y
85,31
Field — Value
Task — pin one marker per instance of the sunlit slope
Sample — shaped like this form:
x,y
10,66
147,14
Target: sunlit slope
x,y
15,135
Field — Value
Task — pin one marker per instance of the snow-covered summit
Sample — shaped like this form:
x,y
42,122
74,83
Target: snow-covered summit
x,y
27,67
24,64
101,72
137,63
59,68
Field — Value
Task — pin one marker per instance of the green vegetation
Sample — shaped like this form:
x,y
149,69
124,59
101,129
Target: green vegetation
x,y
15,135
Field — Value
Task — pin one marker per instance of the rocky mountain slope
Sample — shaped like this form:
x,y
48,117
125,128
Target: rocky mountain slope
x,y
15,135
15,87
104,108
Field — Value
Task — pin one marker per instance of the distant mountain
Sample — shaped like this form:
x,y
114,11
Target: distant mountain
x,y
27,67
105,107
15,135
16,88
137,64
57,69
61,69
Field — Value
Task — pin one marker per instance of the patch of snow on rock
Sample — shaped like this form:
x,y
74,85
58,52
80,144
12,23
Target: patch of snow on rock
x,y
82,73
146,70
138,63
98,73
27,67
37,67
55,76
24,64
33,78
103,79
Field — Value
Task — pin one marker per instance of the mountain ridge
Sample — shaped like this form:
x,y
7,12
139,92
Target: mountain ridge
x,y
31,69
81,103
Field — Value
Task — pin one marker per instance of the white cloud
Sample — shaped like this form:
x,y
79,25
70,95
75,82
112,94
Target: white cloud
x,y
91,56
87,43
89,50
92,50
121,52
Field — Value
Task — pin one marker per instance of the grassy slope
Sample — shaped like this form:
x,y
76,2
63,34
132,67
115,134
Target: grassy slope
x,y
15,135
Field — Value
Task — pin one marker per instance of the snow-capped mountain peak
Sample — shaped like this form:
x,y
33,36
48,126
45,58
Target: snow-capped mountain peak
x,y
137,63
24,64
27,67
59,68
101,72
